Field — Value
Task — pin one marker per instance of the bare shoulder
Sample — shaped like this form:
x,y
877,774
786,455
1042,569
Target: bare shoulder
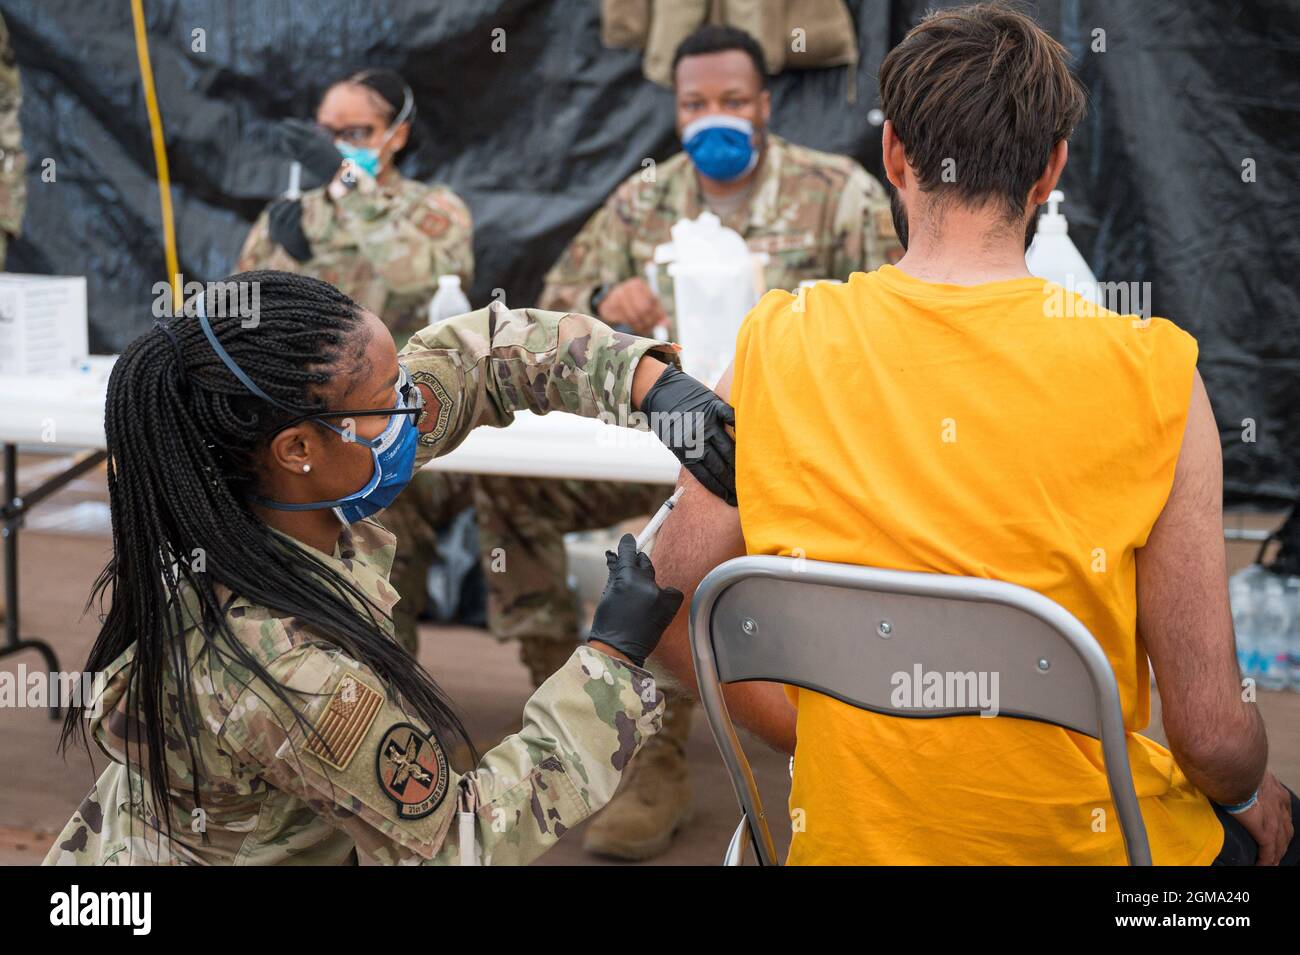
x,y
1198,477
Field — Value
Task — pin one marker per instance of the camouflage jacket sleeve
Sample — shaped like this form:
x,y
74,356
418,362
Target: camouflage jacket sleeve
x,y
482,367
408,243
260,251
363,763
863,226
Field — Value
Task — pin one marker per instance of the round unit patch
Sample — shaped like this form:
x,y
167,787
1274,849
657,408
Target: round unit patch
x,y
412,771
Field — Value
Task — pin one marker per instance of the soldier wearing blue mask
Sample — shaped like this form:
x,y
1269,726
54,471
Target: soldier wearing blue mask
x,y
254,706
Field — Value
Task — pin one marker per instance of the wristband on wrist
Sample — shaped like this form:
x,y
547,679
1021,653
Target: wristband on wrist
x,y
598,293
1241,807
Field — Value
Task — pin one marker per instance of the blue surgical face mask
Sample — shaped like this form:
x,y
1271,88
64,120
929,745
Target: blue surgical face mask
x,y
392,452
722,147
393,467
361,157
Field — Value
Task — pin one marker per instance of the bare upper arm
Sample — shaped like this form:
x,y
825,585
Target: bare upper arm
x,y
702,532
1183,613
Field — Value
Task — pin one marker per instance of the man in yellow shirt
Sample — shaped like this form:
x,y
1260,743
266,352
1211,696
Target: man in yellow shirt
x,y
947,415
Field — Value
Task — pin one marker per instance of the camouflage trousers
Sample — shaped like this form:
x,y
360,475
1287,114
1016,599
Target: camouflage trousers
x,y
522,523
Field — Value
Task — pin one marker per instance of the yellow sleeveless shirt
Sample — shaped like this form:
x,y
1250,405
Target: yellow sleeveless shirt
x,y
1010,431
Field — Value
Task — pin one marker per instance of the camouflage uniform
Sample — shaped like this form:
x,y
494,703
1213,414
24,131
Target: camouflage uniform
x,y
817,216
13,162
384,244
365,774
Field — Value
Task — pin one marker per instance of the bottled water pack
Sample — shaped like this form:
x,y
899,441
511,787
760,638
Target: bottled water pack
x,y
1266,620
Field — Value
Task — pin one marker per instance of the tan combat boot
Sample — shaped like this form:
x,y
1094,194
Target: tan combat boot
x,y
653,801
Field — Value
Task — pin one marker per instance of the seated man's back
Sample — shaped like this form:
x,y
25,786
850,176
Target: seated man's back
x,y
955,415
973,430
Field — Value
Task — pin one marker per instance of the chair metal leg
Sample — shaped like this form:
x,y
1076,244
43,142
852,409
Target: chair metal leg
x,y
1119,775
724,731
739,843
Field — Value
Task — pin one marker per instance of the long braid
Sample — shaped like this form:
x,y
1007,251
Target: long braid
x,y
183,436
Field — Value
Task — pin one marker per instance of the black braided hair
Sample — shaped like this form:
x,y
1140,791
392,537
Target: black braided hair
x,y
184,436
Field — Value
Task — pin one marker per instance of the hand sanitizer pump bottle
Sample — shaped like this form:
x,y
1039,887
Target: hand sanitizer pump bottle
x,y
1053,256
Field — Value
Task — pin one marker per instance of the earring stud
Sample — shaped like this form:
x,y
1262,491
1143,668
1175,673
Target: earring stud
x,y
306,468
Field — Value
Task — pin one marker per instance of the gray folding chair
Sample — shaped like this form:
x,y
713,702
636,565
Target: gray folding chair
x,y
844,630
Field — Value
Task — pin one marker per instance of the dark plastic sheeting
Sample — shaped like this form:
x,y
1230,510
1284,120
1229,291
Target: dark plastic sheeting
x,y
534,138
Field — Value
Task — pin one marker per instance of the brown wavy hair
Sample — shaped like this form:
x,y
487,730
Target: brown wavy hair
x,y
987,87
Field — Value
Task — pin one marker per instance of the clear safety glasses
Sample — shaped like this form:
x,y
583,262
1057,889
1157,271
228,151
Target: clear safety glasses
x,y
410,402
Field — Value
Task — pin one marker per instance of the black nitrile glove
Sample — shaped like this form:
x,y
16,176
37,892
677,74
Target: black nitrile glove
x,y
301,140
284,221
689,419
634,611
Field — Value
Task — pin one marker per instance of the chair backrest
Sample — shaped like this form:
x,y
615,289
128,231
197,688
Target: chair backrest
x,y
904,644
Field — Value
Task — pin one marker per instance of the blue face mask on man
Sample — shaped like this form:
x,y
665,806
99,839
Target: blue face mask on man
x,y
721,146
392,452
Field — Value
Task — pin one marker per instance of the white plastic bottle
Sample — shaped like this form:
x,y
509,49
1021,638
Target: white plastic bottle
x,y
1273,624
1053,256
448,301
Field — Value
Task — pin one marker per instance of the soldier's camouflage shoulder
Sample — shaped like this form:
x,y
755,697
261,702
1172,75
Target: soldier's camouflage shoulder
x,y
384,243
482,367
13,161
815,215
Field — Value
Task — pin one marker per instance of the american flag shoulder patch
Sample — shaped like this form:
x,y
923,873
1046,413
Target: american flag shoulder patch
x,y
347,718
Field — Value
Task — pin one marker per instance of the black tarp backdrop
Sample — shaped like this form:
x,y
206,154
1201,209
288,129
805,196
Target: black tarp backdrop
x,y
536,136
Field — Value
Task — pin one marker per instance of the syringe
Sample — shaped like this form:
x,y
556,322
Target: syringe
x,y
646,539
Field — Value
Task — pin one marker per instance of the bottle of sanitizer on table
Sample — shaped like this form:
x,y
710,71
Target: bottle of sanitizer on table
x,y
1053,256
448,301
1293,632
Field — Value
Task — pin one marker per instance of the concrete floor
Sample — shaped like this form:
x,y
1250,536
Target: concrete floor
x,y
39,789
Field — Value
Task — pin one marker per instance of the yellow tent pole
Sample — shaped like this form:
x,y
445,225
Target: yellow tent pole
x,y
159,153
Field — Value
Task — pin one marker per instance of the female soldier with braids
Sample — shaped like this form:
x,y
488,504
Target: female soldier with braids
x,y
383,240
250,698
